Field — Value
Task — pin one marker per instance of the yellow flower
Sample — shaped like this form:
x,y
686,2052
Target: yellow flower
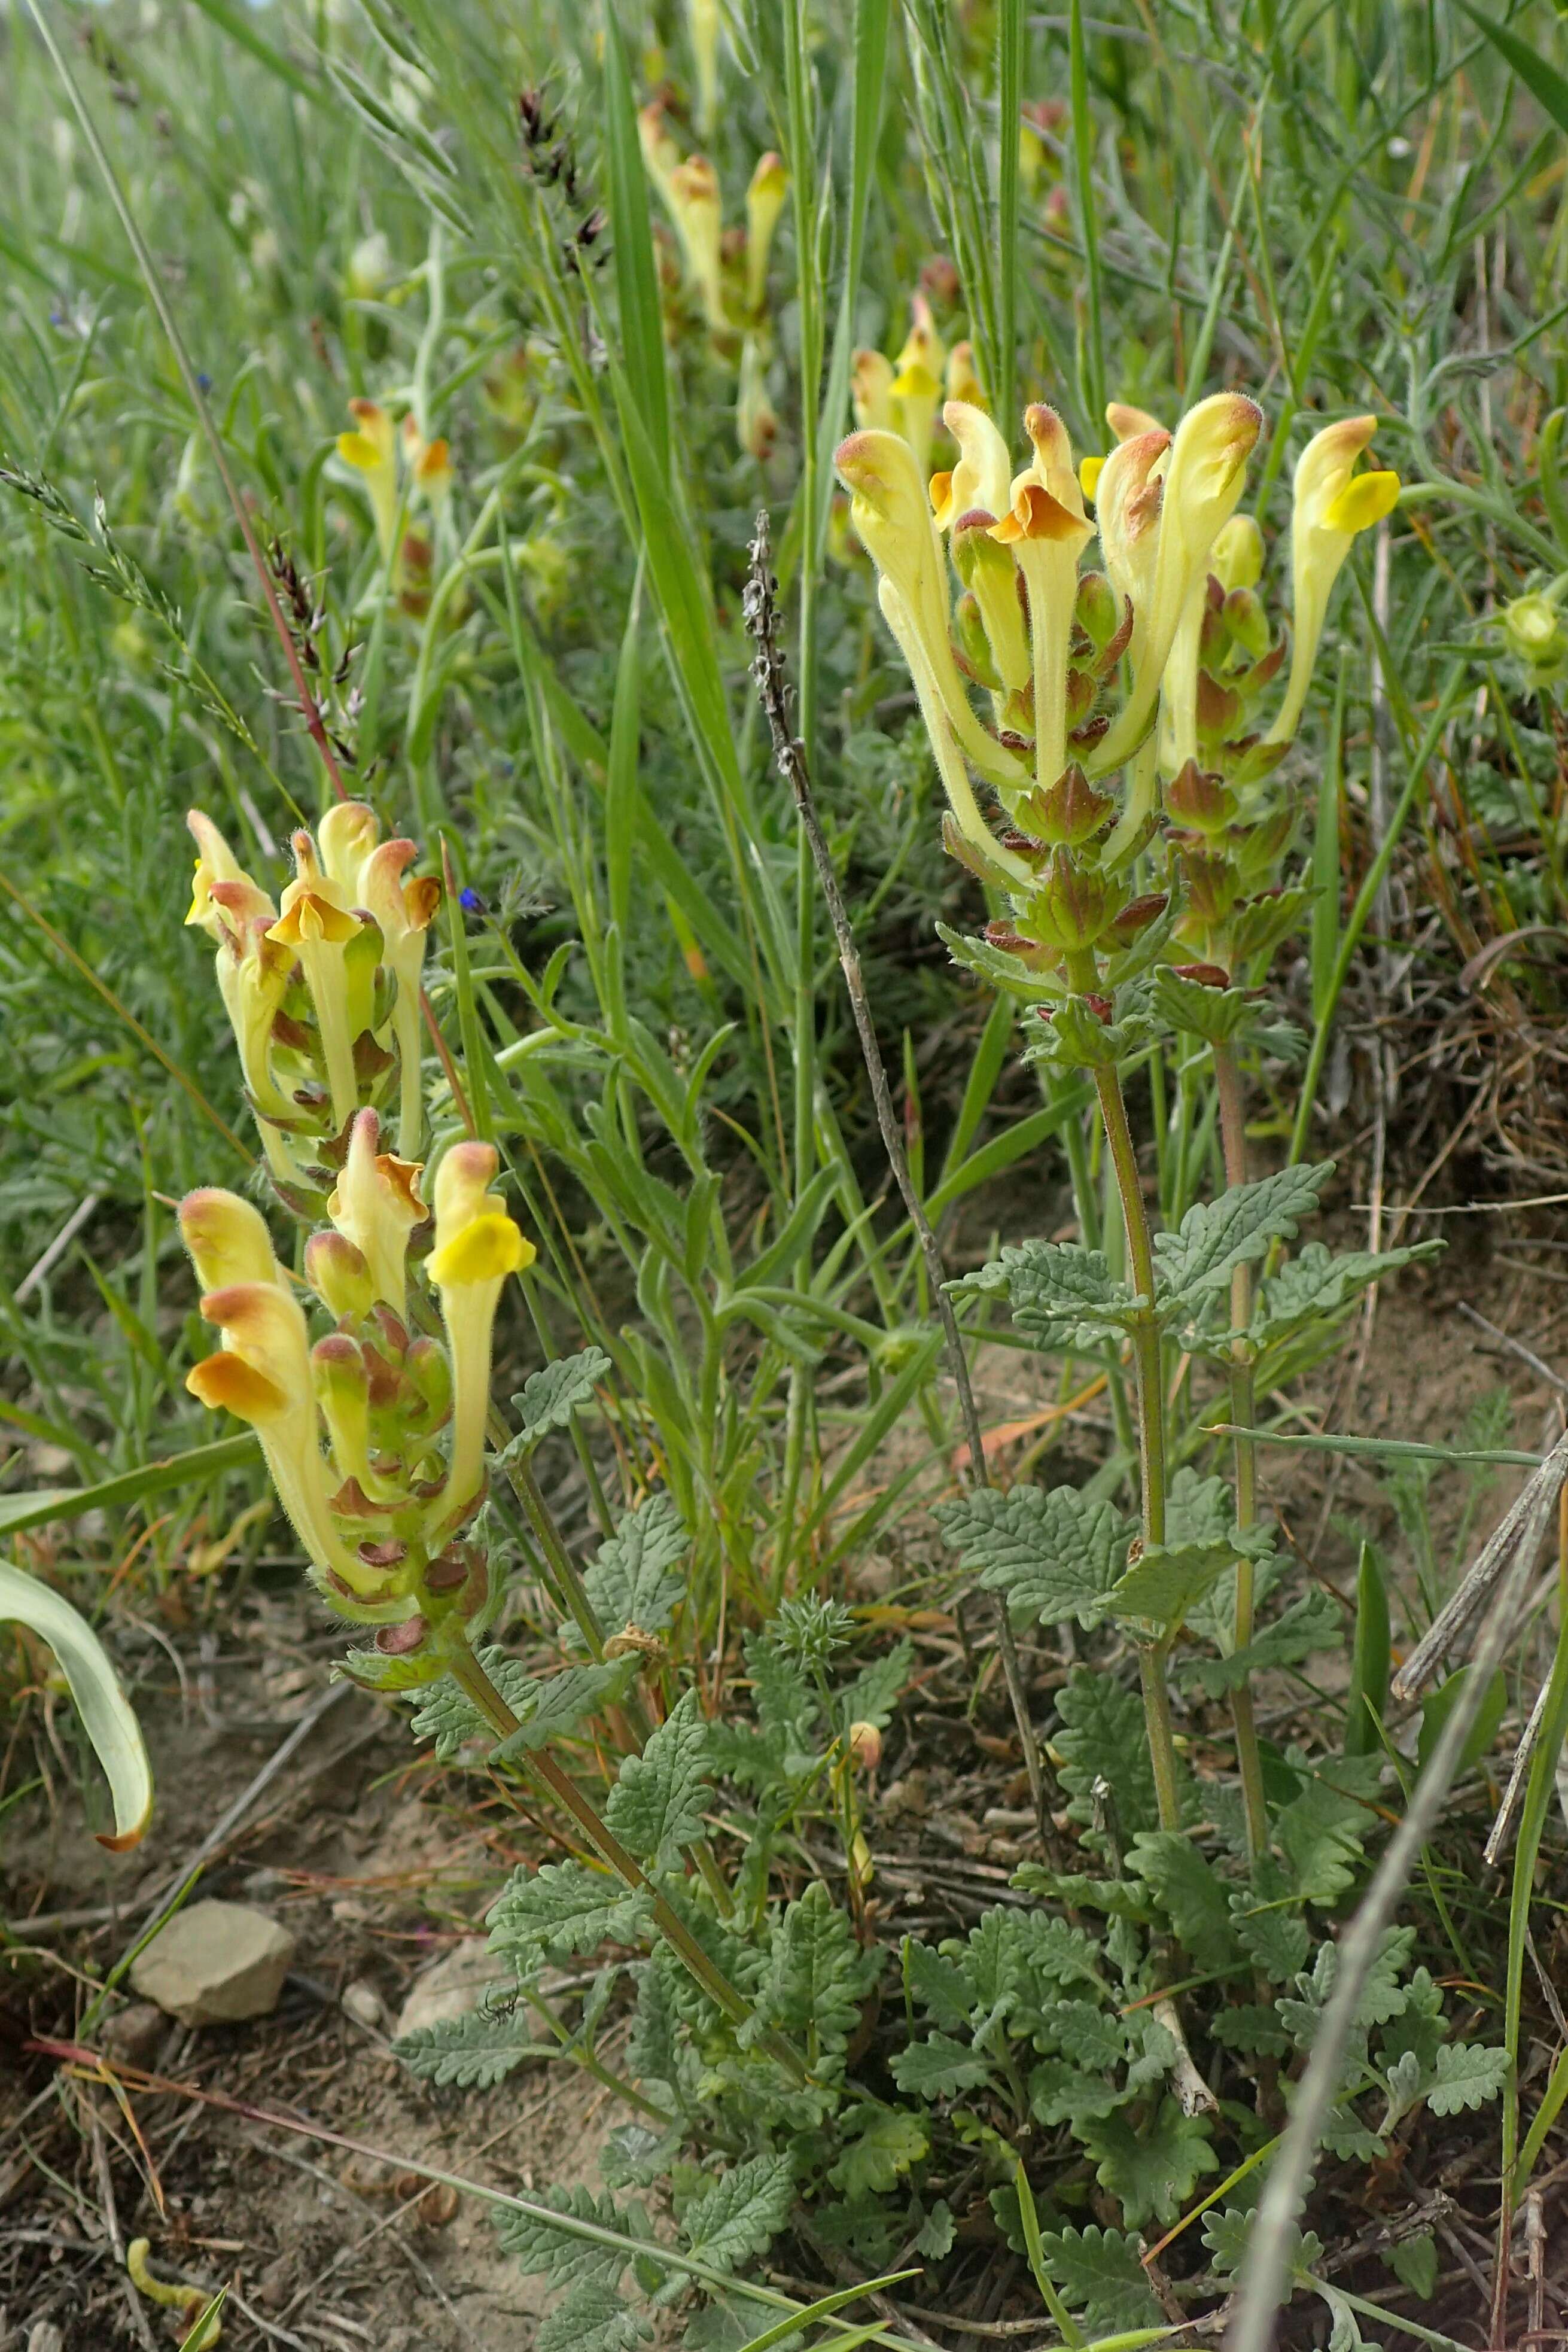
x,y
262,1374
372,450
892,513
703,22
318,928
962,377
871,392
764,203
477,1246
982,477
692,194
429,465
1047,530
917,381
1236,558
1332,504
376,1206
1202,480
252,971
403,912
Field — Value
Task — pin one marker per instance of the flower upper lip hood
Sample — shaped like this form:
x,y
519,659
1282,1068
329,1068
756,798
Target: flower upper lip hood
x,y
891,513
982,478
1202,481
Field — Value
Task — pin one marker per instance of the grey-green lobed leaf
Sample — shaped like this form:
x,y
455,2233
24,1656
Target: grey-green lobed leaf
x,y
1317,1284
737,2217
549,1397
1310,1625
1217,1236
563,1909
657,1804
1062,1295
554,1707
1053,1552
469,2054
631,1579
1102,2275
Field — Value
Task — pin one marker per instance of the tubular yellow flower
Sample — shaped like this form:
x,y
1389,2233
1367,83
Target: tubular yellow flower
x,y
892,513
1048,530
871,392
659,153
252,974
215,862
263,1375
1236,558
1202,482
764,203
402,912
982,477
692,194
429,465
963,376
477,1246
346,836
1127,422
917,383
376,1206
318,928
1332,504
372,450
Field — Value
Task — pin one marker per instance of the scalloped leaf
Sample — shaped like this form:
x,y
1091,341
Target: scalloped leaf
x,y
1217,1236
549,1397
1054,1552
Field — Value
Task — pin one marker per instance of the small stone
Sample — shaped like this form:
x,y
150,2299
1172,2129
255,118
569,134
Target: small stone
x,y
364,2004
133,2033
451,1988
215,1963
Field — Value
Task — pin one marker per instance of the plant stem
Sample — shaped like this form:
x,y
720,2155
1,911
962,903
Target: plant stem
x,y
471,1678
790,754
1233,1138
1150,1428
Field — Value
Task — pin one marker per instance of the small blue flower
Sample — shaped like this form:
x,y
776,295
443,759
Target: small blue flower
x,y
471,903
204,382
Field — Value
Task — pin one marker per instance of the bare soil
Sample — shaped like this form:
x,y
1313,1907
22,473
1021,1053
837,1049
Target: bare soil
x,y
378,1862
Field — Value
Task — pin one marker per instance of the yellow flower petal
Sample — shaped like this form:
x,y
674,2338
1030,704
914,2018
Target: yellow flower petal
x,y
1089,472
1363,500
485,1250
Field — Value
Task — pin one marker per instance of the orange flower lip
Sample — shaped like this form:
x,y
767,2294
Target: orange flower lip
x,y
1037,515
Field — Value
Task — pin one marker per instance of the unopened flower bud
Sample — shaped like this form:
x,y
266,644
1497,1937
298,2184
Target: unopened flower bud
x,y
1097,612
1138,914
426,1366
1236,559
1534,628
398,1641
1246,621
973,645
865,1745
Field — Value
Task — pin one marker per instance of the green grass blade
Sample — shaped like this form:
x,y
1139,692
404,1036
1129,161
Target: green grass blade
x,y
107,1715
636,276
56,1505
1543,82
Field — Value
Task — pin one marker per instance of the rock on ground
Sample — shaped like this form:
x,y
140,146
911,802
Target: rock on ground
x,y
215,1963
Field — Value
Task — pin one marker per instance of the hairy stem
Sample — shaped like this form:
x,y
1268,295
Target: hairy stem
x,y
471,1678
1233,1138
1150,1427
